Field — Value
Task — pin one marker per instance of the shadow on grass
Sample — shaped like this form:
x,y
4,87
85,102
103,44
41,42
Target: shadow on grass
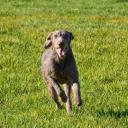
x,y
121,1
107,80
112,113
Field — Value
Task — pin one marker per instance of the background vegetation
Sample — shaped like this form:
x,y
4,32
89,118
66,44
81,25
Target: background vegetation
x,y
100,28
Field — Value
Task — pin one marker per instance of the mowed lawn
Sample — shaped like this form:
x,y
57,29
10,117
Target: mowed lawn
x,y
100,46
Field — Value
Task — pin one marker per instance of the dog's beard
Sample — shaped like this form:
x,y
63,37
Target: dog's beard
x,y
61,52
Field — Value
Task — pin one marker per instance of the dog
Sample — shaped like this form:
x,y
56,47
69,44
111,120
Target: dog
x,y
58,66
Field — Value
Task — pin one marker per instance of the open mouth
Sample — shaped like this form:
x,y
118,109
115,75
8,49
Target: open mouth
x,y
61,52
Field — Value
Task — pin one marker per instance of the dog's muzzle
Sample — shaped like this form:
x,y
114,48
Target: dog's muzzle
x,y
61,52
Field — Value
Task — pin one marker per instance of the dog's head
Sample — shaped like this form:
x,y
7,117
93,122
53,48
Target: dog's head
x,y
59,41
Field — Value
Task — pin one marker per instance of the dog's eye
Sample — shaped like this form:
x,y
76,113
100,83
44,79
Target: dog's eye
x,y
66,36
55,35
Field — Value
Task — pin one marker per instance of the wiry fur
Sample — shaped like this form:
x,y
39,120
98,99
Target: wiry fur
x,y
58,69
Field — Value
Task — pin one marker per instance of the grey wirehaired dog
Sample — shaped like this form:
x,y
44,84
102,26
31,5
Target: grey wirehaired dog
x,y
59,67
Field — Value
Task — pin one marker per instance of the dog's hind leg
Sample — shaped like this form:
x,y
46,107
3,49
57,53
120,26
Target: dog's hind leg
x,y
77,95
67,90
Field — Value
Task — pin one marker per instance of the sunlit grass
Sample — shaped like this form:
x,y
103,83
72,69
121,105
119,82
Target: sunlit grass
x,y
100,46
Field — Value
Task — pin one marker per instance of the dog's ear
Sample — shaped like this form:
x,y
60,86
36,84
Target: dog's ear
x,y
71,35
48,41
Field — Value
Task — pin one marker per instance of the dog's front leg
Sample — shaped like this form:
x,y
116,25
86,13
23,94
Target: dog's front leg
x,y
54,96
77,95
67,89
57,88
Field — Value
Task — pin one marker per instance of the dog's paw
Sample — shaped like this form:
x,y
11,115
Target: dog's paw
x,y
78,103
59,106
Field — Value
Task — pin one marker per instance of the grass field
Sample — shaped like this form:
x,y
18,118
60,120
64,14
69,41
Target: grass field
x,y
100,47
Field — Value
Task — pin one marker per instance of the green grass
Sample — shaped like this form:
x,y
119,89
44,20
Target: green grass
x,y
100,28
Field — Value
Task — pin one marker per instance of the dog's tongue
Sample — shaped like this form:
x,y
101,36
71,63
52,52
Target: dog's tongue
x,y
60,52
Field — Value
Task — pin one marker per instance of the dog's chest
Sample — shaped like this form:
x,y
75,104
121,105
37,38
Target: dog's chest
x,y
60,73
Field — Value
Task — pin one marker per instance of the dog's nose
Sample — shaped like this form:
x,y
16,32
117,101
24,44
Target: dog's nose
x,y
61,44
